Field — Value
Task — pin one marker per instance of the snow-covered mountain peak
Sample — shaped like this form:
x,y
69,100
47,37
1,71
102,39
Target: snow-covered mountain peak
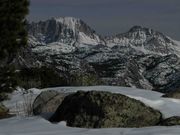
x,y
76,33
148,31
66,30
136,32
145,40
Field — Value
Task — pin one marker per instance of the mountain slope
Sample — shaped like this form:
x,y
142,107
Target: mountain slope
x,y
141,57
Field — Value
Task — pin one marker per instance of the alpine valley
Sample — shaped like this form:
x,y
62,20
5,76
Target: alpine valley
x,y
66,51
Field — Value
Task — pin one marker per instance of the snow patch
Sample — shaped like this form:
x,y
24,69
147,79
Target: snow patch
x,y
70,22
84,39
54,48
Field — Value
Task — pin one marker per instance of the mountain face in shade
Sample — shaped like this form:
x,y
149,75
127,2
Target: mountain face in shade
x,y
141,57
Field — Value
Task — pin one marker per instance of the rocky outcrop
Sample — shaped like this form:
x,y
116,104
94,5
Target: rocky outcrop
x,y
172,121
173,94
47,102
104,110
3,112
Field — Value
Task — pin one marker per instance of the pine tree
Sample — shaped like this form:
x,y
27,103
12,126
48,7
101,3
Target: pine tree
x,y
12,26
13,36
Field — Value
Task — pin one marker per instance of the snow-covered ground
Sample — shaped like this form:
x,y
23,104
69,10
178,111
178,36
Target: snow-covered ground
x,y
39,126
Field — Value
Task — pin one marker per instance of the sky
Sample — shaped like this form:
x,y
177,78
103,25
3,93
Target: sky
x,y
110,17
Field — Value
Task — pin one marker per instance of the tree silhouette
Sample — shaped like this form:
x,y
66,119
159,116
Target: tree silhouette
x,y
13,36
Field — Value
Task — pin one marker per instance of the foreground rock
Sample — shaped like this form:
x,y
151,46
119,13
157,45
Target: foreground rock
x,y
172,121
47,102
173,94
104,110
3,112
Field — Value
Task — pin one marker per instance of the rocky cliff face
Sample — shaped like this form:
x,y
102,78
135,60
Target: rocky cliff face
x,y
141,57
